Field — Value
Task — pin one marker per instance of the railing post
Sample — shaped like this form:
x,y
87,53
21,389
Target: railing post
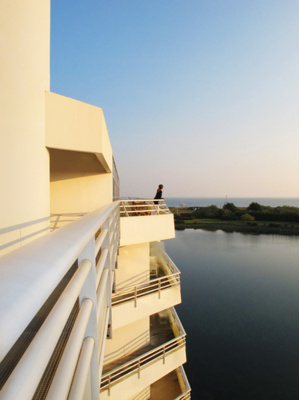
x,y
159,290
135,297
163,355
124,206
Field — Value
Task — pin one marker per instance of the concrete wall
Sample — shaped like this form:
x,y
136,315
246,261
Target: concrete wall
x,y
81,160
24,78
150,304
127,339
133,265
82,194
149,228
76,126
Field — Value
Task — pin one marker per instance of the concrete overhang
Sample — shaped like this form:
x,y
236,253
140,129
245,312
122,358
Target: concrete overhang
x,y
76,126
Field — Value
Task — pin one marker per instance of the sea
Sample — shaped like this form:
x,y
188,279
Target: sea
x,y
238,201
240,311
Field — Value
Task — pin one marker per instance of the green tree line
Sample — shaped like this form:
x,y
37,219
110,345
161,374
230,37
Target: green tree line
x,y
254,212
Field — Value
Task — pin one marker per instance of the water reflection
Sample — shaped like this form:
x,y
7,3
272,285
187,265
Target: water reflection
x,y
241,313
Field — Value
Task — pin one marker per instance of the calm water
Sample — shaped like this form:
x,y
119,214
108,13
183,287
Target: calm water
x,y
238,201
241,313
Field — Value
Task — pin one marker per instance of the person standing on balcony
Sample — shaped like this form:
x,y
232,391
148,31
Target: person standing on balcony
x,y
158,196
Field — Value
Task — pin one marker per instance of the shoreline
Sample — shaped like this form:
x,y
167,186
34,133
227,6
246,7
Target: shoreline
x,y
258,229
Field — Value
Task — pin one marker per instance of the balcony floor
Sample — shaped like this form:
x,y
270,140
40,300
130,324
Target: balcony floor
x,y
166,388
160,333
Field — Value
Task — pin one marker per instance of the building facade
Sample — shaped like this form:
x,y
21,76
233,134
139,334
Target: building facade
x,y
87,290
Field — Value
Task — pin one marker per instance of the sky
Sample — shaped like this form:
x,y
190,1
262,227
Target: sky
x,y
199,95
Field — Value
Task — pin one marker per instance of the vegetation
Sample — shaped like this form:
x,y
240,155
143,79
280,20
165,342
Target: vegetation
x,y
247,217
255,218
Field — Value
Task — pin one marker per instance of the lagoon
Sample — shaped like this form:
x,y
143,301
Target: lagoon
x,y
240,310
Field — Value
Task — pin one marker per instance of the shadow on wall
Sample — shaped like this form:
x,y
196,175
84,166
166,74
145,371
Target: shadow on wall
x,y
14,236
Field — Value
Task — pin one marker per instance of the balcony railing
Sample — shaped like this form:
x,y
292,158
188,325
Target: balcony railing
x,y
142,207
138,364
130,347
174,385
185,386
55,309
144,395
156,285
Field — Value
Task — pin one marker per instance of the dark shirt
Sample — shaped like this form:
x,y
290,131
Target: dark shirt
x,y
158,194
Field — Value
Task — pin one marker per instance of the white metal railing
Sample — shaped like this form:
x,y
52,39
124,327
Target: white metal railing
x,y
138,364
184,396
28,278
184,383
128,348
142,207
144,395
133,292
133,280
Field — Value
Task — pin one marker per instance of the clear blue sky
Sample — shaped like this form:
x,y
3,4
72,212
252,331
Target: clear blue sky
x,y
200,95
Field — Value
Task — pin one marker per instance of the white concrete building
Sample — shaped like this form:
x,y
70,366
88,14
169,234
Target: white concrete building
x,y
86,289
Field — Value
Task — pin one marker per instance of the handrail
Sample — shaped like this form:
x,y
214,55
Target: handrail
x,y
129,367
170,264
150,286
143,285
177,321
100,240
101,265
30,274
128,348
118,373
81,374
142,207
144,395
138,278
64,375
186,395
33,282
44,342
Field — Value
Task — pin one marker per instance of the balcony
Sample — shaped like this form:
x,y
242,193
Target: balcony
x,y
132,373
173,386
162,291
145,220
